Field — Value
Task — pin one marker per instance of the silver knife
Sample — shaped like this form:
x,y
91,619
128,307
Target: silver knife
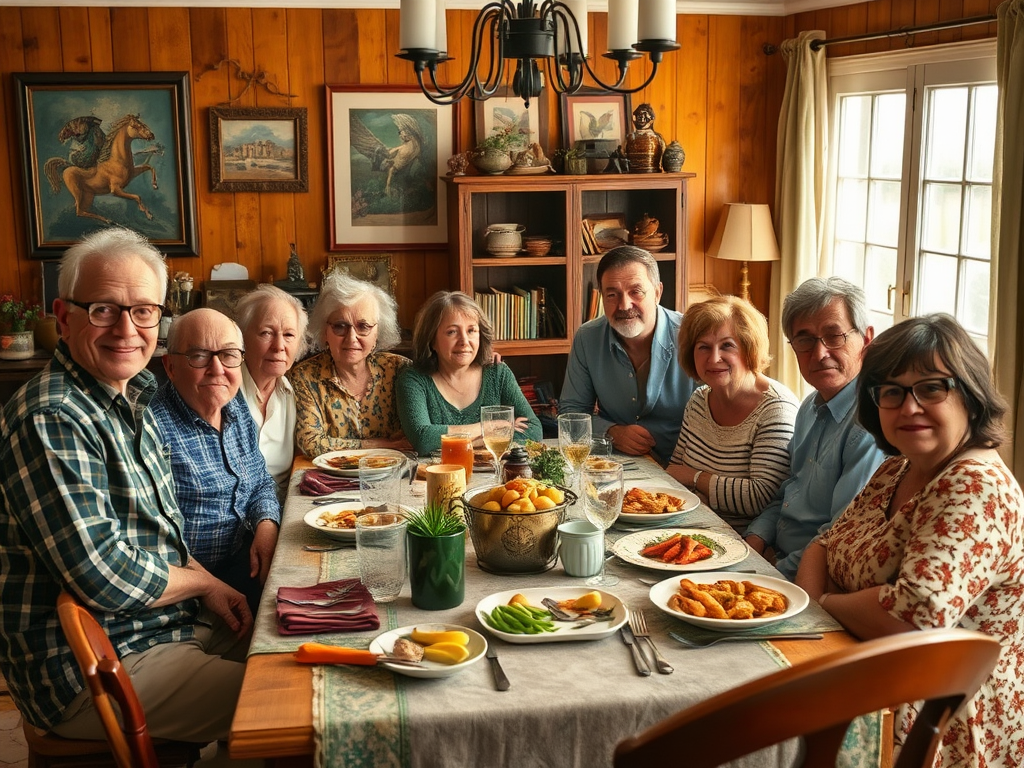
x,y
642,667
500,680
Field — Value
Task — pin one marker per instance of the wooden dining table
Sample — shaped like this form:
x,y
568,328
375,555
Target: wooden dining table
x,y
274,719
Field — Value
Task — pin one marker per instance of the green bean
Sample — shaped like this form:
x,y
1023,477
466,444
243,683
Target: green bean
x,y
528,618
495,620
515,618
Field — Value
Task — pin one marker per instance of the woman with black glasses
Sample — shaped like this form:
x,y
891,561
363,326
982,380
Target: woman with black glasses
x,y
345,396
936,538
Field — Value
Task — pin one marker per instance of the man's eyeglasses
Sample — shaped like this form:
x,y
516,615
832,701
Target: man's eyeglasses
x,y
361,328
831,341
926,392
200,358
103,314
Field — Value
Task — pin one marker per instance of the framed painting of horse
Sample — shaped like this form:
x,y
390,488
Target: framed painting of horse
x,y
107,148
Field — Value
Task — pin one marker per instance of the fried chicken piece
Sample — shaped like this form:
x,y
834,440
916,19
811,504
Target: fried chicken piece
x,y
407,649
741,609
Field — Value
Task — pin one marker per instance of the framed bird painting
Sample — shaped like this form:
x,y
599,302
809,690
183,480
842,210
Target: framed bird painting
x,y
387,148
505,111
594,116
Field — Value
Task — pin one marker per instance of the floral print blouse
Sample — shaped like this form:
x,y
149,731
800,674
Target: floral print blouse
x,y
328,418
952,556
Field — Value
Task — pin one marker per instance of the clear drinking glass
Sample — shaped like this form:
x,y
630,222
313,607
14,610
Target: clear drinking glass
x,y
380,481
602,492
380,549
574,437
497,423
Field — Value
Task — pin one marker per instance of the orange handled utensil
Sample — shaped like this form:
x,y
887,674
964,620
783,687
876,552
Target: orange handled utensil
x,y
319,653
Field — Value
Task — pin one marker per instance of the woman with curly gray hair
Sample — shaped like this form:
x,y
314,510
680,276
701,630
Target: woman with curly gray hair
x,y
345,396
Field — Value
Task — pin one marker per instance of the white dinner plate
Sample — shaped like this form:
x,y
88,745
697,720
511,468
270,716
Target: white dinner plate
x,y
312,517
565,632
323,461
795,597
728,550
690,502
385,642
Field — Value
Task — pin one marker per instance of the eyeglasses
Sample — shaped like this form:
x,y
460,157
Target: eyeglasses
x,y
200,358
103,315
925,392
361,328
831,341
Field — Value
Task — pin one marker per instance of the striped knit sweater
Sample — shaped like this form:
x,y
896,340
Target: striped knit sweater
x,y
747,462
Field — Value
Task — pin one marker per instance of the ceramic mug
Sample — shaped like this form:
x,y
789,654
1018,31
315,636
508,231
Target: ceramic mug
x,y
581,547
445,482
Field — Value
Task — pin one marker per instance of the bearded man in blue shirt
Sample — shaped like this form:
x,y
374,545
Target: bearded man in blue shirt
x,y
223,487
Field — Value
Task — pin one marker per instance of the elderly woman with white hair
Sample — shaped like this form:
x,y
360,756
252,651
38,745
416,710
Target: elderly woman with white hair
x,y
273,327
345,395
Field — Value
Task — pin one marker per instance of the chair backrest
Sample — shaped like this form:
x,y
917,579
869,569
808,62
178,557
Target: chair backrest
x,y
818,699
109,684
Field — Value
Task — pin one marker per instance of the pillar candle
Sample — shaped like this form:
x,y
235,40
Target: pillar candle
x,y
622,24
657,20
417,27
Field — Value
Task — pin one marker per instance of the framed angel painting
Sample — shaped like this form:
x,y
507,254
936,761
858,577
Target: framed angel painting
x,y
387,148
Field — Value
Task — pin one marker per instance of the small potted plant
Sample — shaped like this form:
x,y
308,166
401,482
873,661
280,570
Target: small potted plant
x,y
17,322
576,160
494,153
437,557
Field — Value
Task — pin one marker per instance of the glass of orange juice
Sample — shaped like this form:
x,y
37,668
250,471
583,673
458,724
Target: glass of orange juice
x,y
457,448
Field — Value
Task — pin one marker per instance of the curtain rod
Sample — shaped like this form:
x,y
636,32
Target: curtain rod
x,y
816,45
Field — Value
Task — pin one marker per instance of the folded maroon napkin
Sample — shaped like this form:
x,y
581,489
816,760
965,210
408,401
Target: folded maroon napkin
x,y
316,482
356,612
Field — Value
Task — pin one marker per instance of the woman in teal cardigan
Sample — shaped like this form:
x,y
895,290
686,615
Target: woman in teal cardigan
x,y
452,375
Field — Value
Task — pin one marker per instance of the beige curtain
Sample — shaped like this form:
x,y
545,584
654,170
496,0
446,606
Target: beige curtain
x,y
1007,320
801,159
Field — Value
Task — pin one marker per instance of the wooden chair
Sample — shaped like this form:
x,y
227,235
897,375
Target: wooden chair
x,y
130,744
819,698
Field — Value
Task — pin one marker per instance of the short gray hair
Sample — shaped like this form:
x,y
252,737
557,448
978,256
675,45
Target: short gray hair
x,y
113,244
340,289
628,254
816,293
182,325
253,306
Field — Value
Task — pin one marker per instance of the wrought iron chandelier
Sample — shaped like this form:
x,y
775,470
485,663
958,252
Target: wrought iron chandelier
x,y
527,32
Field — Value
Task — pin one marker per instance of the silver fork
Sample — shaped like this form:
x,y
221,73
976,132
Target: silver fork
x,y
331,597
638,623
690,643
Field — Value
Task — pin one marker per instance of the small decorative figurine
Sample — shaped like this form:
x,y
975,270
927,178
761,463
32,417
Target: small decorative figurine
x,y
644,145
673,158
457,164
617,161
296,276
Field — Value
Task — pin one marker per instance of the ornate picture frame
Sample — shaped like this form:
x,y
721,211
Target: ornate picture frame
x,y
591,115
81,132
223,295
387,147
376,268
259,149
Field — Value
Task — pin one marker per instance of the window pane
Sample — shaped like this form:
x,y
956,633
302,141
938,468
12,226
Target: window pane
x,y
936,290
983,133
978,222
947,129
940,220
848,261
879,276
856,122
851,209
884,213
887,136
973,310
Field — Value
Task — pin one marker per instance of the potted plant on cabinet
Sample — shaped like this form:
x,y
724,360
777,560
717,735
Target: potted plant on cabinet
x,y
17,322
437,557
494,153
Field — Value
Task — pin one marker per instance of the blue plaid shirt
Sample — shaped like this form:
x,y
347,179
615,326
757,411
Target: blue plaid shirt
x,y
86,504
220,477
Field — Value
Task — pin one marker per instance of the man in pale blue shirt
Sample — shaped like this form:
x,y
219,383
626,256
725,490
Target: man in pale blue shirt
x,y
831,456
625,362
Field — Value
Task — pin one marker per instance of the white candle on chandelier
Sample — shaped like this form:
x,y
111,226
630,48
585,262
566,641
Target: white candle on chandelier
x,y
417,25
622,24
442,27
658,20
579,10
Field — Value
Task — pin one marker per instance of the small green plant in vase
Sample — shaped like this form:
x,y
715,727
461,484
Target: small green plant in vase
x,y
434,521
16,316
437,557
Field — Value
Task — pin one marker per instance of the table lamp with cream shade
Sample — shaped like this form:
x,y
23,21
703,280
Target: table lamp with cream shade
x,y
745,233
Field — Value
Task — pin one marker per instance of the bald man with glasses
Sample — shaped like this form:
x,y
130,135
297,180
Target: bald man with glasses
x,y
225,492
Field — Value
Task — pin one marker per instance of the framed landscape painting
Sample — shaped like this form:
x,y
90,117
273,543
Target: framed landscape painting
x,y
102,149
262,149
387,146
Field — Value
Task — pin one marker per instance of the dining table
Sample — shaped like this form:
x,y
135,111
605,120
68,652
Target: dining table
x,y
569,703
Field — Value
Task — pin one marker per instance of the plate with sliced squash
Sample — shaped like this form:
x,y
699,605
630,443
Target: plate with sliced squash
x,y
447,648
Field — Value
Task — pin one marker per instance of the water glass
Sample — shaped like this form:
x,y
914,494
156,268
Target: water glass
x,y
601,446
380,548
574,438
380,480
602,502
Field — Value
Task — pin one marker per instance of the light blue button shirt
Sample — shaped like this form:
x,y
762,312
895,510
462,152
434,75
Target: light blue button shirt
x,y
599,371
831,459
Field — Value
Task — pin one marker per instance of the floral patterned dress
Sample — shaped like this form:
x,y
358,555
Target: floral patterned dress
x,y
952,556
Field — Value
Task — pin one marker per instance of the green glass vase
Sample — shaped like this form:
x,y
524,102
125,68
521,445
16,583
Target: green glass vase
x,y
437,570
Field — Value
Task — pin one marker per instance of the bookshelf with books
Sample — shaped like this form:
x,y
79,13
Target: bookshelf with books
x,y
537,302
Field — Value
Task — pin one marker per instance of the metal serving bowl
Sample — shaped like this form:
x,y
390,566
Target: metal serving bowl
x,y
510,543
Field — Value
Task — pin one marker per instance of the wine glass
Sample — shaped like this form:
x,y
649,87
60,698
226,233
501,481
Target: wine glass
x,y
602,492
574,433
497,423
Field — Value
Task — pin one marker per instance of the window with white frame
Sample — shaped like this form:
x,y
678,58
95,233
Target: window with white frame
x,y
910,181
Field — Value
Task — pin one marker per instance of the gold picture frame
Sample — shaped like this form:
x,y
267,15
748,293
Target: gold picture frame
x,y
375,268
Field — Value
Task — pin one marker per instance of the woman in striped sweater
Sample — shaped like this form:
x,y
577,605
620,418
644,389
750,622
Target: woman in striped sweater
x,y
732,448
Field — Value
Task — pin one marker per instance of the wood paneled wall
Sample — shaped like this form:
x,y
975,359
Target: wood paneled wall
x,y
719,95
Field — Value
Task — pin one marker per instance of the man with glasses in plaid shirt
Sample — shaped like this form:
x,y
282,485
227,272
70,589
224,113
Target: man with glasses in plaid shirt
x,y
87,506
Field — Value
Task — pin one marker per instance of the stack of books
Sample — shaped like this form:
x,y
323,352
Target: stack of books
x,y
519,313
590,247
595,305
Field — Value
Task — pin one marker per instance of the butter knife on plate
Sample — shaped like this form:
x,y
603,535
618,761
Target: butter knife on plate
x,y
642,667
500,680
